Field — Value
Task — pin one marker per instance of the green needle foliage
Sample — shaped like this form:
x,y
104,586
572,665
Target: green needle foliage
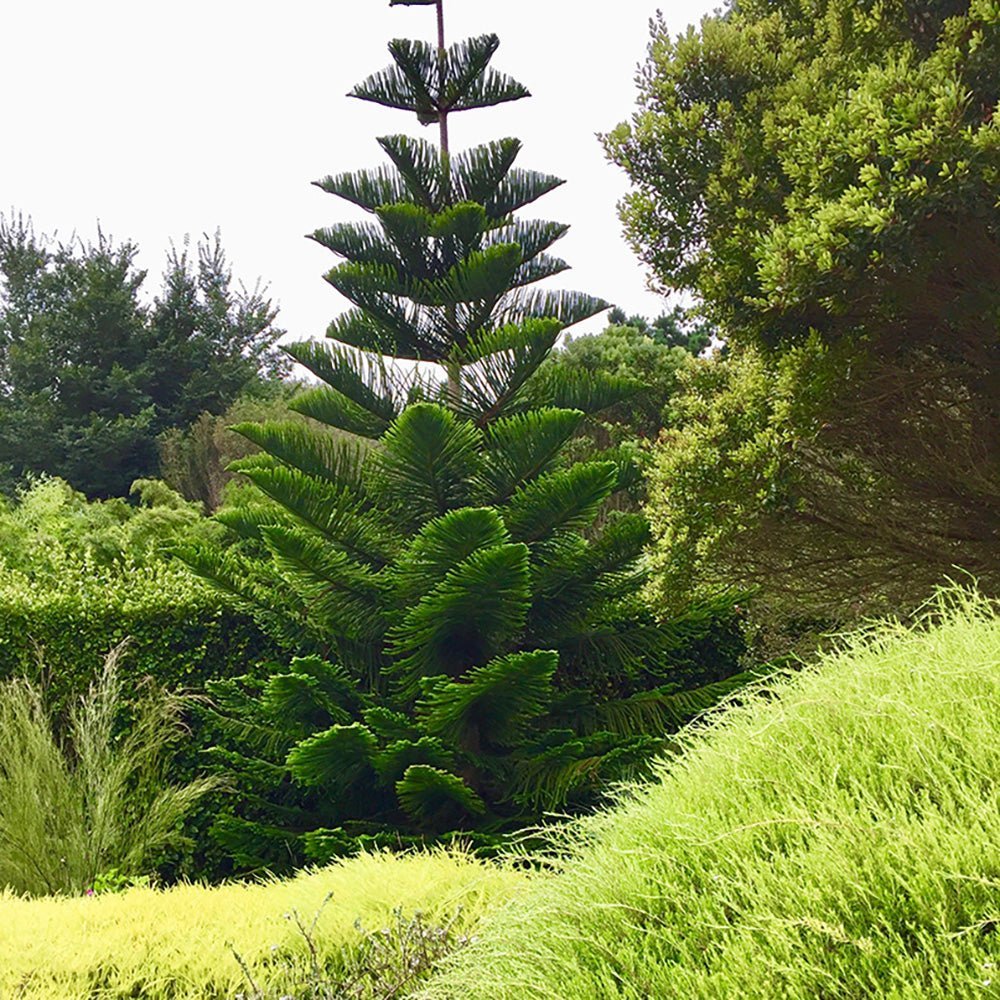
x,y
472,650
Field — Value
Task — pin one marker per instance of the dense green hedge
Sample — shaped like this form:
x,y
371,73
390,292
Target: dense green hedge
x,y
182,633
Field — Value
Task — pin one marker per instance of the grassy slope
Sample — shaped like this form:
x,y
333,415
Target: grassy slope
x,y
843,841
178,943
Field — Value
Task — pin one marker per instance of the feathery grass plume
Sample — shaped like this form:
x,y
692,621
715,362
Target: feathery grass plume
x,y
75,808
835,833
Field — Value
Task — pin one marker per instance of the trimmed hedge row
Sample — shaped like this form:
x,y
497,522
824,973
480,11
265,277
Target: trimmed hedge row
x,y
182,633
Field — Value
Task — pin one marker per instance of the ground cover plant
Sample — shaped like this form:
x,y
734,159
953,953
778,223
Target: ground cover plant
x,y
475,648
835,834
182,943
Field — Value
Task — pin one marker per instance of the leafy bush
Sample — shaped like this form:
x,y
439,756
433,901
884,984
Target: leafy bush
x,y
179,943
50,530
824,174
834,833
182,633
73,809
627,352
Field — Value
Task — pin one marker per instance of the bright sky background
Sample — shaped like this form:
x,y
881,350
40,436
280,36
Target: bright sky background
x,y
160,119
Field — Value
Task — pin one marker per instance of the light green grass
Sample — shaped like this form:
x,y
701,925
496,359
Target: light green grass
x,y
179,943
842,841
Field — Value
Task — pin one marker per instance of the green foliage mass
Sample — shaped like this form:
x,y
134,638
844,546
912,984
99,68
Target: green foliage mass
x,y
51,529
794,163
474,649
824,177
833,834
77,807
90,375
734,457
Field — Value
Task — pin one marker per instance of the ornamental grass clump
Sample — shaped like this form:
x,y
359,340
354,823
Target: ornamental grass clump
x,y
835,834
75,807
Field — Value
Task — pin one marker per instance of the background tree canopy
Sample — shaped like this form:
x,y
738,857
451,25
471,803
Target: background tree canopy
x,y
829,170
90,374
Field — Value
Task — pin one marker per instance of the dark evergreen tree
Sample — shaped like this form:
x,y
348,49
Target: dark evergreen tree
x,y
89,375
478,652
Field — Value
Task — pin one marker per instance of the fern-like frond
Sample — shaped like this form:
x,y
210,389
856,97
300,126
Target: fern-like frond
x,y
368,189
392,762
421,82
331,407
431,796
659,711
567,307
419,165
567,500
312,451
466,619
427,461
493,705
338,514
496,364
478,174
441,545
523,446
366,379
334,758
338,592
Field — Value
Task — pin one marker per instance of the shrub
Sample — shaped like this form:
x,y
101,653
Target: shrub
x,y
72,810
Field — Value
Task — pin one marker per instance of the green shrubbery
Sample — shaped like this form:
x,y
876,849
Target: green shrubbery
x,y
833,833
78,577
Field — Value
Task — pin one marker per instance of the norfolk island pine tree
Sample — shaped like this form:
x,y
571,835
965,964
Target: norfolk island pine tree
x,y
473,649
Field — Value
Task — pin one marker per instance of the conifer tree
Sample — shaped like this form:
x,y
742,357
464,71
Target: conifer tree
x,y
474,651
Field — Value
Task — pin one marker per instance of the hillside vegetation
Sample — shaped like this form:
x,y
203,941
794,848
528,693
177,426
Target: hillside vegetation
x,y
835,835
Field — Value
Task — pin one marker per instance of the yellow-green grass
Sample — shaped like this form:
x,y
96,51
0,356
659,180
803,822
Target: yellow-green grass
x,y
178,943
840,840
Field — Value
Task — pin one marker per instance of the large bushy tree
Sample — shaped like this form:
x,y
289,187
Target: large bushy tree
x,y
90,374
477,649
829,169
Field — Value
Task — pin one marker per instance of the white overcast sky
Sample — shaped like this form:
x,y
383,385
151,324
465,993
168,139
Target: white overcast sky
x,y
159,119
